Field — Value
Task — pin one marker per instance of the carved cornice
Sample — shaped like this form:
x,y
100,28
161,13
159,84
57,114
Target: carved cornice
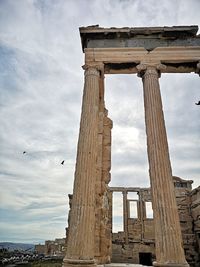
x,y
153,68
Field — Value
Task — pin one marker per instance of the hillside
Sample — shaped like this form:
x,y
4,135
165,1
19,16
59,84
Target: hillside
x,y
17,246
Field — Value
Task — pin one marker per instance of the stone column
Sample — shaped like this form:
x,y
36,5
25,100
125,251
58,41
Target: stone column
x,y
125,215
169,250
141,215
80,248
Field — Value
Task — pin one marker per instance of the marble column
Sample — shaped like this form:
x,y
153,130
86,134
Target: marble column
x,y
80,246
168,238
125,215
141,214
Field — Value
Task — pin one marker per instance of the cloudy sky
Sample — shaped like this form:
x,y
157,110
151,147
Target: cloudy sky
x,y
41,83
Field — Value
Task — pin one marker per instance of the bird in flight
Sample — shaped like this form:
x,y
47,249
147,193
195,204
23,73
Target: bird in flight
x,y
62,162
198,103
24,152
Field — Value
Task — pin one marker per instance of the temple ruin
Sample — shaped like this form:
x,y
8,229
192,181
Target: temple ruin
x,y
147,52
136,243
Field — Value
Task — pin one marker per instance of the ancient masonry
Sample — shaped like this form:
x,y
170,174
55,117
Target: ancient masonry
x,y
147,52
51,248
136,243
139,230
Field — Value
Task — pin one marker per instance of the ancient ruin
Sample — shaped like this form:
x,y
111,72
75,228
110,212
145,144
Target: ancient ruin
x,y
136,243
147,52
52,248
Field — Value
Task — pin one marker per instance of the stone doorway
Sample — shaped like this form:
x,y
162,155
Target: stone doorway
x,y
145,258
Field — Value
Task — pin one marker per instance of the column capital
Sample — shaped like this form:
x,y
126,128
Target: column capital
x,y
150,68
98,66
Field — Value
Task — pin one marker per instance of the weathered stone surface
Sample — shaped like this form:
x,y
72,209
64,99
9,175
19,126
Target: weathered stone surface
x,y
195,212
102,221
149,38
105,223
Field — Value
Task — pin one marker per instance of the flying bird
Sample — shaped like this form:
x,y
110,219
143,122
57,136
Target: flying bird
x,y
24,152
62,162
198,103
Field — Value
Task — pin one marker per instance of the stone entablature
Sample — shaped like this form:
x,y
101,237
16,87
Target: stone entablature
x,y
122,49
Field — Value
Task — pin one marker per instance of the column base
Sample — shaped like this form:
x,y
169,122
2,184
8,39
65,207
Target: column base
x,y
170,264
78,263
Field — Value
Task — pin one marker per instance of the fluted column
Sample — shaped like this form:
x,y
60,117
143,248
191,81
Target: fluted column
x,y
125,215
169,250
80,246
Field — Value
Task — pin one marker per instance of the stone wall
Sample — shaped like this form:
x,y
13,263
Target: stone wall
x,y
195,210
141,230
183,190
52,247
103,221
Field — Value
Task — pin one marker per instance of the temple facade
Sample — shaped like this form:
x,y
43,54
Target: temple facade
x,y
147,52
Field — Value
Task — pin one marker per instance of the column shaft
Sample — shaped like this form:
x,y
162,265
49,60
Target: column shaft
x,y
141,210
125,215
169,250
80,249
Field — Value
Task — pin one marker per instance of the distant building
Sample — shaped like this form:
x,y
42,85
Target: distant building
x,y
52,247
40,249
